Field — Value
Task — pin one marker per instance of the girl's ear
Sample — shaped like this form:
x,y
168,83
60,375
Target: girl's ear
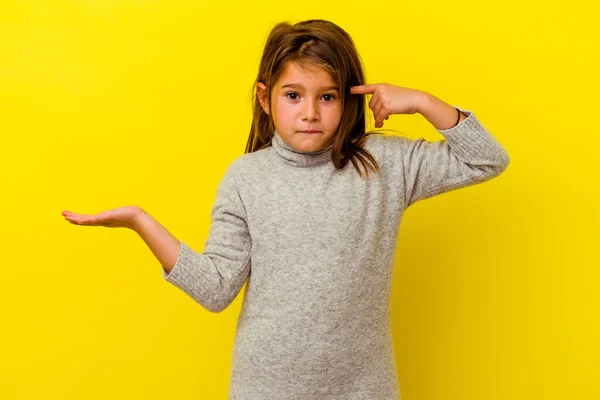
x,y
262,93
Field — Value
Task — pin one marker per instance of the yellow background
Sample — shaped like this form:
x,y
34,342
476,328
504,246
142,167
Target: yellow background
x,y
112,103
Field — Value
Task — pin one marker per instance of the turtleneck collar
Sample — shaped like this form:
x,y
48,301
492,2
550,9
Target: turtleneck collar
x,y
300,158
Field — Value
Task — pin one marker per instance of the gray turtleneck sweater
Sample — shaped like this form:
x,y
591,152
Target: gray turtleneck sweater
x,y
316,246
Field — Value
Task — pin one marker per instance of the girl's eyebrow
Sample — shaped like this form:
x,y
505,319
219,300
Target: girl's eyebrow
x,y
299,86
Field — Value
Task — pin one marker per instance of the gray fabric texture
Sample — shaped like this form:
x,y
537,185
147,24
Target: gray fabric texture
x,y
316,246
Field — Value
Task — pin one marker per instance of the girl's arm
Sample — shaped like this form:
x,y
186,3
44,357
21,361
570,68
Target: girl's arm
x,y
215,276
469,154
440,114
164,246
212,278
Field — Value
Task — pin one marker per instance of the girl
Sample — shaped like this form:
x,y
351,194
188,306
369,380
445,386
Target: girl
x,y
313,236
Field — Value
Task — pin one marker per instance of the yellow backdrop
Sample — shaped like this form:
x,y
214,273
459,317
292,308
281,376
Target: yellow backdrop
x,y
112,103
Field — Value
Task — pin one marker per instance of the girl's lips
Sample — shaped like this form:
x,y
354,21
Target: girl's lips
x,y
311,131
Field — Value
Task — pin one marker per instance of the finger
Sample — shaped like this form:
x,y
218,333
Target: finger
x,y
382,116
364,89
379,111
83,218
71,214
373,102
375,105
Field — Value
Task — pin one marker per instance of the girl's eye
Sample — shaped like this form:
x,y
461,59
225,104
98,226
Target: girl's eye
x,y
296,94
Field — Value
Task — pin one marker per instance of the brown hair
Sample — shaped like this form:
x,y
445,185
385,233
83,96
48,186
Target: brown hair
x,y
326,45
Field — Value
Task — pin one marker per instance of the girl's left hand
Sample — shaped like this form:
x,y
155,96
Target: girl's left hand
x,y
390,99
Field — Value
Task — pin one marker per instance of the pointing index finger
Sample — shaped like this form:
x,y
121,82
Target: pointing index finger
x,y
363,89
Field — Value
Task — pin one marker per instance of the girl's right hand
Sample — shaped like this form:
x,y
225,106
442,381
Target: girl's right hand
x,y
122,217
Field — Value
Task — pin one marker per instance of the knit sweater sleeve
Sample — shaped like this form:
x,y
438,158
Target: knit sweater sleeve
x,y
214,277
467,155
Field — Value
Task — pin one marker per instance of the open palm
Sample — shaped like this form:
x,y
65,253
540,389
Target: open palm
x,y
121,217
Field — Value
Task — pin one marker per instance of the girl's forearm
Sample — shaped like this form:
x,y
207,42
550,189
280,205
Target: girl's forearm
x,y
439,113
161,242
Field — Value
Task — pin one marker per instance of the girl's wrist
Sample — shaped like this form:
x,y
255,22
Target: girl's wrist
x,y
135,225
423,101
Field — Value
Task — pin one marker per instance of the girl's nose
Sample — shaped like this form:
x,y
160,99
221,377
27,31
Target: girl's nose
x,y
310,111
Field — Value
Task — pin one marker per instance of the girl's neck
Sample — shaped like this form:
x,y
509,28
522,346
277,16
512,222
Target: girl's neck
x,y
298,158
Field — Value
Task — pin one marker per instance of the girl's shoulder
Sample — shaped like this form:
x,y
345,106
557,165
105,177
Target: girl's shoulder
x,y
248,164
389,147
385,138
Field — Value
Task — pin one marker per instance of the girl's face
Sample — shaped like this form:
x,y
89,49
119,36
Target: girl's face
x,y
304,100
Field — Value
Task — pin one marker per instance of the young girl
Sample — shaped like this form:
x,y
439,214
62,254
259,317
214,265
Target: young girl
x,y
311,232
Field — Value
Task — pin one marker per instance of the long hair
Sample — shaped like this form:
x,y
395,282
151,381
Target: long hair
x,y
326,45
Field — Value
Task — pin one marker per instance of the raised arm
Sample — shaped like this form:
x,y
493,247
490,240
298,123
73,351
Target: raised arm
x,y
467,155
